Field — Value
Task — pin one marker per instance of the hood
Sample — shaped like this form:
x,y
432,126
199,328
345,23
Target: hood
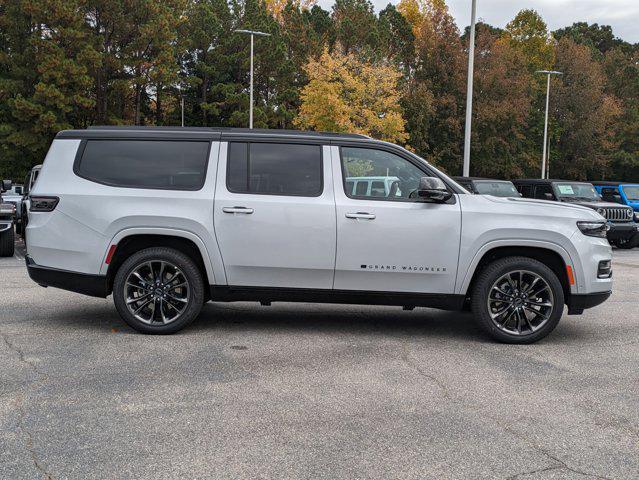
x,y
594,204
548,208
11,197
545,203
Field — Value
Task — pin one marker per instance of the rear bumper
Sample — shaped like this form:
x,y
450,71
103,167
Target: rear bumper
x,y
578,303
92,285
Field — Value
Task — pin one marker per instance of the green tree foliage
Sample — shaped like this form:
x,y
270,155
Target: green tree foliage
x,y
598,37
75,63
502,105
586,115
529,33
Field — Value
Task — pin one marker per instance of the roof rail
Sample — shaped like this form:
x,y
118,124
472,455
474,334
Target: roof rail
x,y
231,130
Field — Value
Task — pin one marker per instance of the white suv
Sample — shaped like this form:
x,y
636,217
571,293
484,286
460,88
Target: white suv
x,y
166,219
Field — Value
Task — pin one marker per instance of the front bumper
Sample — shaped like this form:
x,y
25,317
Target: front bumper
x,y
622,231
92,285
577,303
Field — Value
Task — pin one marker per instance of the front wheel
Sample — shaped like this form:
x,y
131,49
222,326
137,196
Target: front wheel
x,y
517,300
158,290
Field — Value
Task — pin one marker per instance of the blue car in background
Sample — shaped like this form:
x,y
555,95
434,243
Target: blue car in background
x,y
625,193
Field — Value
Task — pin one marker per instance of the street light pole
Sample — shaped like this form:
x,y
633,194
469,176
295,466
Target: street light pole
x,y
469,90
252,33
544,157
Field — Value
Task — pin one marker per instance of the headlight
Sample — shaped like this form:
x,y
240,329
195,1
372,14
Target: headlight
x,y
594,229
602,212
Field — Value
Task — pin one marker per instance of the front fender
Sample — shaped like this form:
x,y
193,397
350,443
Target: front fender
x,y
466,273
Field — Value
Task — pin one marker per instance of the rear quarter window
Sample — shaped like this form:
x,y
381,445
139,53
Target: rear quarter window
x,y
153,164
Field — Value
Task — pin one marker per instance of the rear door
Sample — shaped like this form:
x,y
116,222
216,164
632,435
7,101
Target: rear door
x,y
274,214
391,243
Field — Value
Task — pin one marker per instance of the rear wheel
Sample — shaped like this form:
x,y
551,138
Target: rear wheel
x,y
7,243
517,300
158,290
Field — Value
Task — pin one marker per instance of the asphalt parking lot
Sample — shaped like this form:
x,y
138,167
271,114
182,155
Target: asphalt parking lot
x,y
308,391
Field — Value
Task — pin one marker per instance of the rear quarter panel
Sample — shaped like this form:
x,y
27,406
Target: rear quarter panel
x,y
91,216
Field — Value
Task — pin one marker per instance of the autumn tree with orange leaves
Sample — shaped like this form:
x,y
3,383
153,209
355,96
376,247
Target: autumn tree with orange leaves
x,y
345,94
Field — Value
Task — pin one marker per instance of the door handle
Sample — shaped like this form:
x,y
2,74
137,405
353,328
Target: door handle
x,y
361,215
244,210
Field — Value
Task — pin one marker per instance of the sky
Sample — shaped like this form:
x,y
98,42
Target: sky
x,y
622,15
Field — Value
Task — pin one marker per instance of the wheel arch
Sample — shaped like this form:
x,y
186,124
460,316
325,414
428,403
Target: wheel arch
x,y
130,241
551,255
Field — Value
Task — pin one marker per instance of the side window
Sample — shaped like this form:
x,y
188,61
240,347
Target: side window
x,y
525,190
542,190
611,195
275,169
389,176
155,164
349,187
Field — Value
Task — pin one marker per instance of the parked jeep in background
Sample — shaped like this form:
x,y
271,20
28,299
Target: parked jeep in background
x,y
7,213
487,186
623,230
29,182
168,218
14,196
620,192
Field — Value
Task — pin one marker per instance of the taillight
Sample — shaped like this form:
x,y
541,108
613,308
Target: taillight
x,y
43,204
7,208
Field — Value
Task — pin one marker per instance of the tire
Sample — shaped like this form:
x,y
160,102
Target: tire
x,y
527,315
188,299
628,244
7,243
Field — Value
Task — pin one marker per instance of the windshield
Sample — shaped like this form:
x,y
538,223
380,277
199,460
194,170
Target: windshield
x,y
632,192
497,189
576,191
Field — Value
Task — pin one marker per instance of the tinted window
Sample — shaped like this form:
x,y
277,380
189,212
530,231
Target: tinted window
x,y
237,173
611,195
174,165
377,189
497,189
275,168
390,176
349,186
542,190
526,190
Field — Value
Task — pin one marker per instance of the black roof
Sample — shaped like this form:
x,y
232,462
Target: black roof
x,y
541,181
105,131
609,183
481,179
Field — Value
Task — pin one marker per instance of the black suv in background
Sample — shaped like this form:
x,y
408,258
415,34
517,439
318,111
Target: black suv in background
x,y
488,186
624,231
7,212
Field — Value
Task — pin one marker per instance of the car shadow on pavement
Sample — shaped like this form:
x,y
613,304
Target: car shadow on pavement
x,y
238,318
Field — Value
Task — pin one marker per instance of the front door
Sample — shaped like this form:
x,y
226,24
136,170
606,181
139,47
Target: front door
x,y
275,214
387,241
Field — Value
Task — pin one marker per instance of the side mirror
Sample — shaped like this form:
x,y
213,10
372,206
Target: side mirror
x,y
6,185
432,189
548,196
